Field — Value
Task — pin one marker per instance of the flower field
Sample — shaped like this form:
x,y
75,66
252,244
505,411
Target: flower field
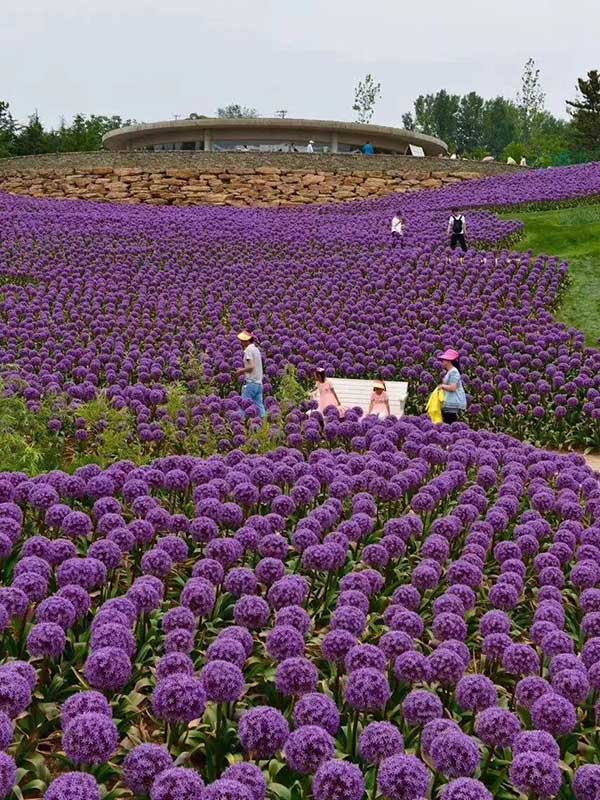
x,y
321,608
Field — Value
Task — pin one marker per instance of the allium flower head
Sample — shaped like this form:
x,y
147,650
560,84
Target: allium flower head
x,y
90,738
379,740
317,709
177,783
223,681
143,764
367,689
307,747
338,780
537,774
179,698
455,754
74,786
249,776
403,777
497,727
554,714
263,731
466,789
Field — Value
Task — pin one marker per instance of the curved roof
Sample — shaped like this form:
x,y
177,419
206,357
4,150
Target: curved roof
x,y
352,133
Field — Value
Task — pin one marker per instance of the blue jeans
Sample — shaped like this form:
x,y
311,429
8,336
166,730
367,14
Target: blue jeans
x,y
254,392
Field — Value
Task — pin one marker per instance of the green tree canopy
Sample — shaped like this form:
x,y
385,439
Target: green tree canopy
x,y
585,111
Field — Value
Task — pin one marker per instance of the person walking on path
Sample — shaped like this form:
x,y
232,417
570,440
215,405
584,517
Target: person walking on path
x,y
379,404
368,149
457,230
397,229
327,394
310,147
455,399
252,372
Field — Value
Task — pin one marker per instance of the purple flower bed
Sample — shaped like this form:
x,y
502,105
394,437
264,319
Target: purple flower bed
x,y
124,302
421,615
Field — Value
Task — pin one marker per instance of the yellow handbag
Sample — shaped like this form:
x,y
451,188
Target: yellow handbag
x,y
434,406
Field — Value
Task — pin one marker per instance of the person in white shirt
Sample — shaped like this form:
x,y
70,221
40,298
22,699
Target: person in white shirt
x,y
397,229
457,230
252,372
310,147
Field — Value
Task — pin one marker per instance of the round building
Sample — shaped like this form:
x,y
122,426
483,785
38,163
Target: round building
x,y
262,134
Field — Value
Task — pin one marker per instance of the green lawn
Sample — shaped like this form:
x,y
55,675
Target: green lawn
x,y
572,234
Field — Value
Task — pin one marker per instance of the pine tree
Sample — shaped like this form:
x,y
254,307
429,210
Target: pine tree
x,y
585,111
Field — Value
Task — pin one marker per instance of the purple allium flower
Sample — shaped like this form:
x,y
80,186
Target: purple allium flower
x,y
365,655
380,740
250,776
350,619
411,667
497,727
295,616
113,635
283,642
296,676
84,703
420,707
476,692
179,698
240,581
173,664
446,666
449,626
403,777
143,764
177,783
108,669
74,786
317,709
241,635
263,731
15,693
554,714
179,640
529,689
394,643
227,649
179,617
252,612
336,645
572,684
46,640
199,596
455,754
495,622
586,783
58,610
223,681
536,774
23,669
495,645
521,659
536,742
307,747
90,738
226,789
433,729
367,689
466,789
338,780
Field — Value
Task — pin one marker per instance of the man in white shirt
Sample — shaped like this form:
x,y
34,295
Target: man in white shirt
x,y
397,229
457,230
252,372
310,147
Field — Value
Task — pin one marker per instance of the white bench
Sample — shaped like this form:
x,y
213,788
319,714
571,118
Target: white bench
x,y
354,393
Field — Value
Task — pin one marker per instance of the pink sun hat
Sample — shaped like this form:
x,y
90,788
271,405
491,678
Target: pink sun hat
x,y
449,355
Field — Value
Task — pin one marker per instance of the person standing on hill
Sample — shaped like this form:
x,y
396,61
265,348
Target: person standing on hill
x,y
457,230
252,372
397,228
368,149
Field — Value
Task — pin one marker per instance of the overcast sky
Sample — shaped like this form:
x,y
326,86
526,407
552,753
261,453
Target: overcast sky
x,y
152,59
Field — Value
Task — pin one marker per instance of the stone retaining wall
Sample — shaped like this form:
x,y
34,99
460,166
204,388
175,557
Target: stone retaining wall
x,y
229,179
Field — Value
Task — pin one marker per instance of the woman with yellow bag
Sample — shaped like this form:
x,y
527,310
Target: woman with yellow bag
x,y
454,397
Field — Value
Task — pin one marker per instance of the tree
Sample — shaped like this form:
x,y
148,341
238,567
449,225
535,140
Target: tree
x,y
32,138
366,94
530,99
8,130
585,110
436,115
236,111
408,122
500,122
469,123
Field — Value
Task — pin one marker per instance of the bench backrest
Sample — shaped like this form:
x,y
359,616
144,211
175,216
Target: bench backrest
x,y
352,392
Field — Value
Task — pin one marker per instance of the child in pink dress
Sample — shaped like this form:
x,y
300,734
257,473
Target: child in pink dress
x,y
327,394
380,403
